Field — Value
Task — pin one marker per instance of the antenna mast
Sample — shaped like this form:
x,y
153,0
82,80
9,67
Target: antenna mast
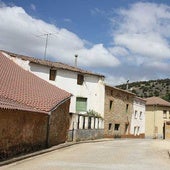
x,y
46,43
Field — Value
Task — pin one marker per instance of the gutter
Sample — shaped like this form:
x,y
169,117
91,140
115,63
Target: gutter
x,y
49,120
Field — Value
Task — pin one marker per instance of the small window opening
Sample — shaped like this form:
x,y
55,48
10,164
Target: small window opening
x,y
80,79
117,127
140,115
165,114
111,103
127,107
136,114
52,75
110,126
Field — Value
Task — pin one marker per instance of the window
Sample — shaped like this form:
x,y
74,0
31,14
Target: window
x,y
127,107
110,106
110,126
80,79
136,130
140,116
136,114
52,74
117,127
81,104
165,114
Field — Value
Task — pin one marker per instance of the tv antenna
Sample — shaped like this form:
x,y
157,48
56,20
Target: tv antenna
x,y
46,43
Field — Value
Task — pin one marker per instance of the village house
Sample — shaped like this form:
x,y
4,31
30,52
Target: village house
x,y
157,118
118,112
33,113
137,128
87,103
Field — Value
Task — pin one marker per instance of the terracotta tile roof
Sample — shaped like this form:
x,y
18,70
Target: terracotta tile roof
x,y
56,65
141,99
156,101
24,88
14,105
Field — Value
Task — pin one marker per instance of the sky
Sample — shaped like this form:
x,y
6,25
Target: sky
x,y
123,40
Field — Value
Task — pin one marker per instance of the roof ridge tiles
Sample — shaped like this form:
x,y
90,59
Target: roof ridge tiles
x,y
59,65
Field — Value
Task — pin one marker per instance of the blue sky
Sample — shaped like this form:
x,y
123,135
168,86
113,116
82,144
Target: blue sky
x,y
125,39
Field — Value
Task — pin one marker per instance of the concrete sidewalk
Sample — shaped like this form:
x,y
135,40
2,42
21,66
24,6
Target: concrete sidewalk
x,y
60,146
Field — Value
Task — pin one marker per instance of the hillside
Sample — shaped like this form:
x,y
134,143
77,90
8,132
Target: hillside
x,y
150,88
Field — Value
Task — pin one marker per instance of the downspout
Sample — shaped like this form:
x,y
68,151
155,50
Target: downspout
x,y
49,121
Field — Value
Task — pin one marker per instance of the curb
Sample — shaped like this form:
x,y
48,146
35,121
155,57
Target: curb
x,y
53,148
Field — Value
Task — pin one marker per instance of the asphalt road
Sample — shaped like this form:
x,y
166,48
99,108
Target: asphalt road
x,y
109,155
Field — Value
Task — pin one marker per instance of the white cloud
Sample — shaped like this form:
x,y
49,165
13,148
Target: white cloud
x,y
19,33
141,37
143,29
101,52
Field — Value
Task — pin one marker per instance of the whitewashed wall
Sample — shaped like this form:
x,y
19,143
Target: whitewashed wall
x,y
92,88
138,121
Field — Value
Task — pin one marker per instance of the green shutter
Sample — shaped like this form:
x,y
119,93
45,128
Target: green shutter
x,y
81,104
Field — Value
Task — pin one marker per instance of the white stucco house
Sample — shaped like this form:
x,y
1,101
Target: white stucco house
x,y
137,127
87,88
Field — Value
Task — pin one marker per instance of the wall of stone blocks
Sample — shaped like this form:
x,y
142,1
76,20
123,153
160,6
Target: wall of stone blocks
x,y
59,124
117,112
85,134
21,132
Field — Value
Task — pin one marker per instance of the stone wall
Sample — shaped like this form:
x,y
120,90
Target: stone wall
x,y
21,132
118,112
59,124
85,134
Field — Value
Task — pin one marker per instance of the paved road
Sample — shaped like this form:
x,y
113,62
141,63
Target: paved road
x,y
109,155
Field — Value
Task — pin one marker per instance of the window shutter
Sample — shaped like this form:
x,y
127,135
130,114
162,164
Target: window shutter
x,y
81,104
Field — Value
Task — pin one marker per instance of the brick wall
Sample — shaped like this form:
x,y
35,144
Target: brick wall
x,y
118,112
59,124
21,132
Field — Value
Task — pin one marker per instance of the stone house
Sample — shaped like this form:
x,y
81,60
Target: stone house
x,y
33,113
137,128
157,116
86,87
118,112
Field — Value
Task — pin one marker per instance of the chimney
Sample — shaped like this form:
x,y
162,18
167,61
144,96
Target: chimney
x,y
75,64
127,85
